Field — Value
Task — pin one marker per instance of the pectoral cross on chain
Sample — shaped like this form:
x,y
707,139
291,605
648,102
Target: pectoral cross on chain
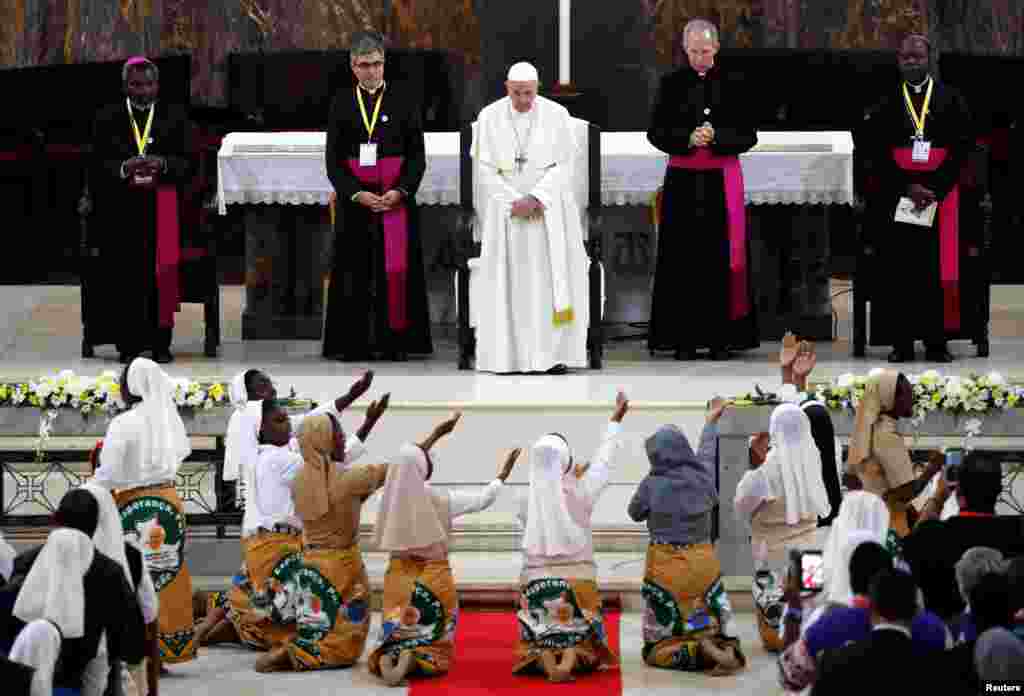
x,y
520,161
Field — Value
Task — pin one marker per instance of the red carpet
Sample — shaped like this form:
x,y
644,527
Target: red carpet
x,y
484,653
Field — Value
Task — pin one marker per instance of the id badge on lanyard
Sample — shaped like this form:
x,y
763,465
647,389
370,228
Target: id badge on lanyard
x,y
368,155
921,150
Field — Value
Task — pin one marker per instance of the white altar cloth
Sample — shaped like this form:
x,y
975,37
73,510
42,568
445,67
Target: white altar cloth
x,y
785,167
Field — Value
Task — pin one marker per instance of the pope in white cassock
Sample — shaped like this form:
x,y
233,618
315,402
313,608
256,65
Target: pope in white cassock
x,y
530,294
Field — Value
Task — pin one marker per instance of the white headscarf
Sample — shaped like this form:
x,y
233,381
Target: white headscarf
x,y
237,392
862,513
792,470
163,443
407,518
109,537
7,555
55,589
838,581
242,440
38,647
550,528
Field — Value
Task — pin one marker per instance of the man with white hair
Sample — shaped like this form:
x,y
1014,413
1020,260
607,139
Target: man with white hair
x,y
701,120
533,305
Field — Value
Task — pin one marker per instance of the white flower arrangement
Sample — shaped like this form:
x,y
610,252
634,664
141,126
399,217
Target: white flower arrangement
x,y
974,395
90,395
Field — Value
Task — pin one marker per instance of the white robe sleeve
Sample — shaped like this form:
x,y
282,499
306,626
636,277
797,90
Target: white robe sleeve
x,y
598,475
465,503
38,647
149,600
751,491
112,455
354,449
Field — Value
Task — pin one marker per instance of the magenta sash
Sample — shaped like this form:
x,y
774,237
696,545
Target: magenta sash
x,y
949,233
168,255
384,176
736,216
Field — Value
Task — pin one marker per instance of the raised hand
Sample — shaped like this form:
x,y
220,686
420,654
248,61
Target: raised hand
x,y
621,407
377,408
789,350
581,469
806,359
361,385
510,460
717,408
446,427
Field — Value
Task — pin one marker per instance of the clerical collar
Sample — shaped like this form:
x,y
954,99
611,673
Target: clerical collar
x,y
917,88
141,108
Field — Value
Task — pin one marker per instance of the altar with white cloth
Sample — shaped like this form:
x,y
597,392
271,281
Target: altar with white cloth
x,y
288,250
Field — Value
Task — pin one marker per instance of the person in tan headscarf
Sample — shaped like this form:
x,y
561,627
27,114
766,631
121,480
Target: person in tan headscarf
x,y
421,606
878,455
331,591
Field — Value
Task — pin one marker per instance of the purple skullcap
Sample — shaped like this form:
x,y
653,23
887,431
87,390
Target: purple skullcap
x,y
137,60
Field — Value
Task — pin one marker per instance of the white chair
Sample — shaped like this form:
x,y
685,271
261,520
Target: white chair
x,y
587,185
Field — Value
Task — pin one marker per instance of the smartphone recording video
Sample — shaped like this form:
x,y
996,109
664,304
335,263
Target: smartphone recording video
x,y
812,571
954,459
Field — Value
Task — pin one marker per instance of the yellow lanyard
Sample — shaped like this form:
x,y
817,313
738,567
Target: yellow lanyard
x,y
919,120
370,125
141,141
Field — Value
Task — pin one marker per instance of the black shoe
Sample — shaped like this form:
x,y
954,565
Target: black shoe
x,y
938,355
901,355
162,356
558,369
398,356
685,354
720,354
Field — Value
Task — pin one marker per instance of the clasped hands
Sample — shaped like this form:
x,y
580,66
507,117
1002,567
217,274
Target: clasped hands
x,y
379,204
527,207
144,165
702,136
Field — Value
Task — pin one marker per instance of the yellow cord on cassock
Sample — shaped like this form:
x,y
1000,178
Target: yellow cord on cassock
x,y
566,316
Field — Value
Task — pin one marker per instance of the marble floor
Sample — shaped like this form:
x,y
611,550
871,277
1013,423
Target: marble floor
x,y
40,331
222,670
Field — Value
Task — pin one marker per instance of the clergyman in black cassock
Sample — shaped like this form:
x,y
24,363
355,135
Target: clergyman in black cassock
x,y
377,302
693,303
129,301
913,300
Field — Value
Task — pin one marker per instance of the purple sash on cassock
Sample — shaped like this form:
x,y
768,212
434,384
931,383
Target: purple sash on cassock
x,y
949,232
396,236
168,254
736,220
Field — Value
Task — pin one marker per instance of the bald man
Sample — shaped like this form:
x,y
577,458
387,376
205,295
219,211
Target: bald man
x,y
916,139
531,296
703,122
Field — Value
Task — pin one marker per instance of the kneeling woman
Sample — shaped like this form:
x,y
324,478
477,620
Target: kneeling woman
x,y
331,591
421,606
782,500
139,460
561,629
688,622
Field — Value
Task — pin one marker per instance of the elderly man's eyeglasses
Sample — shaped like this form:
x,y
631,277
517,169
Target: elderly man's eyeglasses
x,y
369,65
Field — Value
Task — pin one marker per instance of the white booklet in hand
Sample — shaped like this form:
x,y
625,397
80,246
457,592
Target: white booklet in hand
x,y
906,212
